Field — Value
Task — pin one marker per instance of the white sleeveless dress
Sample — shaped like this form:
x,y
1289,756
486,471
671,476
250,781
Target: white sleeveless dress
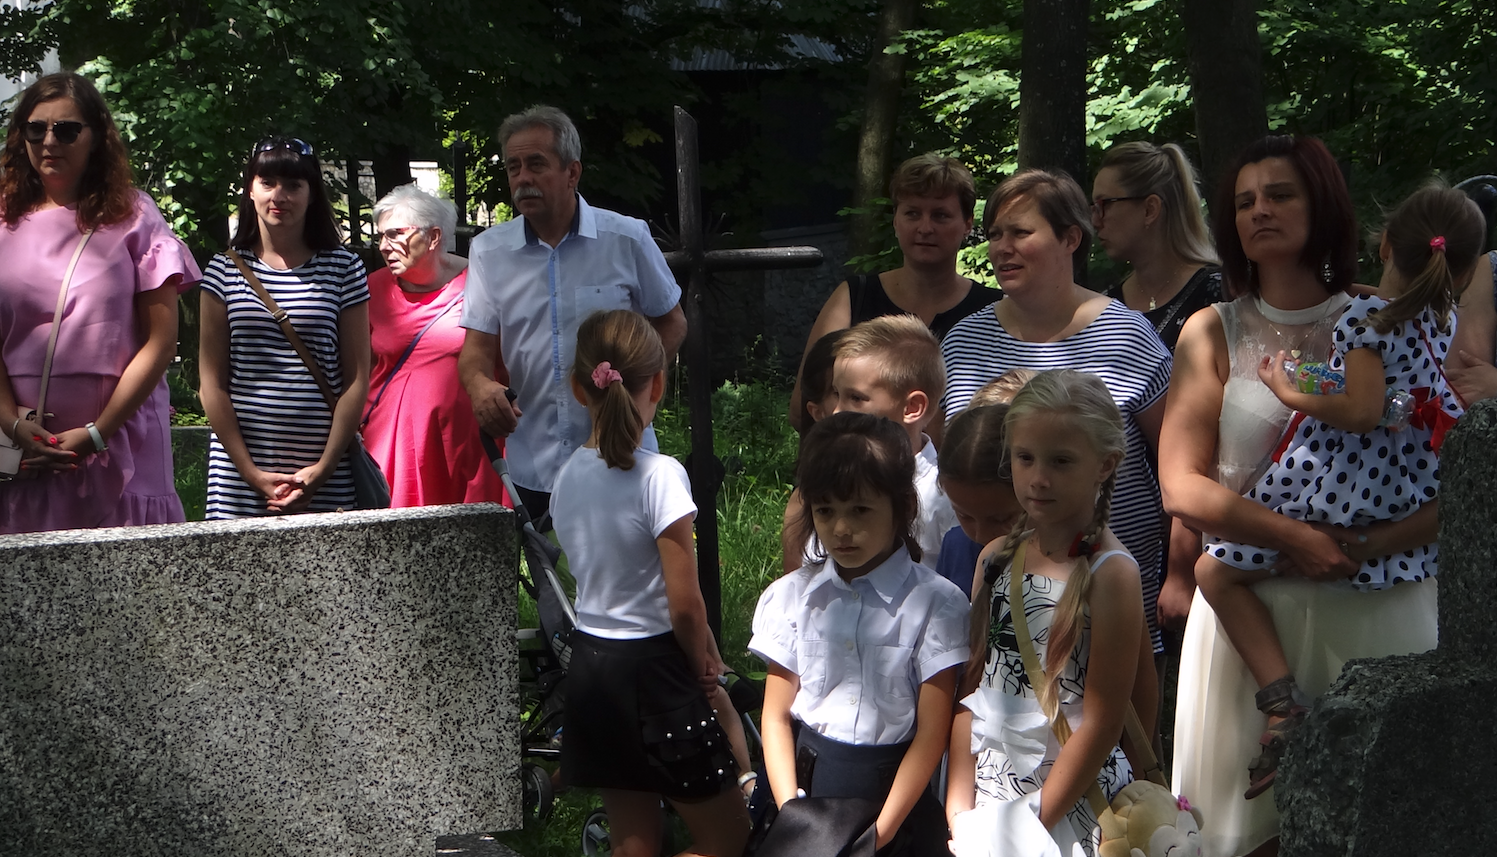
x,y
1321,626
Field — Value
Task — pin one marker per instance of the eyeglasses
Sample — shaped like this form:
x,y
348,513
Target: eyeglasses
x,y
397,234
301,147
66,132
1099,206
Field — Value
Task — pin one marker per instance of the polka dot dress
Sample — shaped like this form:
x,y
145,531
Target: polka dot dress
x,y
1324,474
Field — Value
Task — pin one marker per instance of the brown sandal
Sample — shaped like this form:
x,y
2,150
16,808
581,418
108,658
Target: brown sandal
x,y
1281,698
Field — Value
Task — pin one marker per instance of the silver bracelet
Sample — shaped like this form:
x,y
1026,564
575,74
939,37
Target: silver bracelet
x,y
13,428
98,438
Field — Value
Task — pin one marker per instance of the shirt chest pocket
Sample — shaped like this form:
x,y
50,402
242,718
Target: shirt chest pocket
x,y
591,299
894,672
813,667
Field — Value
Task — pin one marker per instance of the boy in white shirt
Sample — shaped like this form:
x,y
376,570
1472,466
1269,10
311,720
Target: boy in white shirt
x,y
891,367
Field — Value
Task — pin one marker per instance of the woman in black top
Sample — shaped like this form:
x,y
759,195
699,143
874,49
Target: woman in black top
x,y
1147,213
933,202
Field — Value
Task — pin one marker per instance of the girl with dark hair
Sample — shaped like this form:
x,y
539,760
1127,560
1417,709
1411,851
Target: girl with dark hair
x,y
873,710
975,477
100,455
644,665
1285,230
277,445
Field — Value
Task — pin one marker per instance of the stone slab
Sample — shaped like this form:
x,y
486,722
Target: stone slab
x,y
1399,756
340,684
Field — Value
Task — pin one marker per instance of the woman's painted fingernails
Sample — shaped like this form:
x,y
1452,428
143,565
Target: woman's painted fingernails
x,y
52,439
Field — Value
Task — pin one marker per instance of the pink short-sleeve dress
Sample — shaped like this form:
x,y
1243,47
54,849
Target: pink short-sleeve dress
x,y
131,482
423,432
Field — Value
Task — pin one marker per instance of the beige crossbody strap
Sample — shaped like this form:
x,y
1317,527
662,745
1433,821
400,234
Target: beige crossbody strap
x,y
62,300
286,327
1036,672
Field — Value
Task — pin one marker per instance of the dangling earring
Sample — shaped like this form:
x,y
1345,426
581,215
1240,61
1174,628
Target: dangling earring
x,y
1250,271
1326,274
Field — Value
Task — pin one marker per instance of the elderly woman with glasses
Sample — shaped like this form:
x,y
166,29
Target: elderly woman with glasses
x,y
88,320
419,424
277,444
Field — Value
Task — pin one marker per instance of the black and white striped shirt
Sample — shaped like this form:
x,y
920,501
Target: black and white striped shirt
x,y
282,415
1121,347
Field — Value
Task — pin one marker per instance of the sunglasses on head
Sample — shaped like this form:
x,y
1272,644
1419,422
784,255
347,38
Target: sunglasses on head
x,y
301,147
66,132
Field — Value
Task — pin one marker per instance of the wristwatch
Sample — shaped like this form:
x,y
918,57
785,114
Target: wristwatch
x,y
98,438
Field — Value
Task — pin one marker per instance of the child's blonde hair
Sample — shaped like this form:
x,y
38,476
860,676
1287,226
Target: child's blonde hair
x,y
907,353
630,346
1085,402
1436,235
1001,390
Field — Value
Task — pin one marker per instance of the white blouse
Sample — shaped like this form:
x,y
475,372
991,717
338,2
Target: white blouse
x,y
862,649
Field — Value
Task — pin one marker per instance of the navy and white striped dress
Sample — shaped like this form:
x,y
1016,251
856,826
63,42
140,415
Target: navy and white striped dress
x,y
1120,346
282,415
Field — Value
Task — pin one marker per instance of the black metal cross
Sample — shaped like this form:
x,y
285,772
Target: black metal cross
x,y
692,264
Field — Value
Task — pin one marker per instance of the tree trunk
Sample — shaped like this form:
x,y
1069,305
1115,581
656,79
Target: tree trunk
x,y
392,168
1226,81
880,113
1052,92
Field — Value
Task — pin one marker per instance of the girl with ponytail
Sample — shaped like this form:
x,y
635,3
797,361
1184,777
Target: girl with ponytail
x,y
644,664
1083,608
1363,447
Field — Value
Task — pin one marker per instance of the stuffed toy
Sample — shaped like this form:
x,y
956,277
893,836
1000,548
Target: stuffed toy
x,y
1147,821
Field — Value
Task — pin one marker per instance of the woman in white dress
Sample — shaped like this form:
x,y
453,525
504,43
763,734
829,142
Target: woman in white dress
x,y
1286,232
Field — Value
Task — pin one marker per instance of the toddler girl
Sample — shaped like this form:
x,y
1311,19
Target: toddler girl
x,y
638,723
1340,462
861,645
1083,607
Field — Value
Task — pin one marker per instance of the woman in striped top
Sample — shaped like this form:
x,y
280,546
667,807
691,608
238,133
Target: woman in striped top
x,y
276,446
1035,221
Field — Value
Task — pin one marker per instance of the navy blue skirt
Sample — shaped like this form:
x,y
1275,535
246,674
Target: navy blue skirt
x,y
829,768
637,720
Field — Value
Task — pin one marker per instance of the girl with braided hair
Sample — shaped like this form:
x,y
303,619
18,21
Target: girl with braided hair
x,y
1083,608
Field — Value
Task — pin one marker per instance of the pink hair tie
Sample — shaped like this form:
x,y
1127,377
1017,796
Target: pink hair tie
x,y
604,374
1437,243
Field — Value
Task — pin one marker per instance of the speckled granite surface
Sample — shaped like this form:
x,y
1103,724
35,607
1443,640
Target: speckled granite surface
x,y
324,685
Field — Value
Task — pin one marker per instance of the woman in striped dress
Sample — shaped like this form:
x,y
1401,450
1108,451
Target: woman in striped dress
x,y
1035,221
276,446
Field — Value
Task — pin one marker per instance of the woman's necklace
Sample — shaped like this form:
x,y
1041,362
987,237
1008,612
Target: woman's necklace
x,y
1139,285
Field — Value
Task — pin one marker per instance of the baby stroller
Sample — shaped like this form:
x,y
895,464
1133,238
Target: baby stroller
x,y
544,651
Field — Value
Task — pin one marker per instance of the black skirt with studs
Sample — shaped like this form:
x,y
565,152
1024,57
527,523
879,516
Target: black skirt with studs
x,y
636,719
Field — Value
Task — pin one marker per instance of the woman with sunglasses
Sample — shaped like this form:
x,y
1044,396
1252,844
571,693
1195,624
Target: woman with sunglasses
x,y
100,454
277,447
419,424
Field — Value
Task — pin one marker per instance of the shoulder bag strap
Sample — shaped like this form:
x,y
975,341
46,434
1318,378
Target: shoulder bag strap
x,y
1060,725
405,354
286,327
62,300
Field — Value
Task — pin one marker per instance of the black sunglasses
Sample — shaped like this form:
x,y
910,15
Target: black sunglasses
x,y
66,131
301,147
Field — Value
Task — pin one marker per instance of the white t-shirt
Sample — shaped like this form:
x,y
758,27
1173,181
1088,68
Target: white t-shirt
x,y
862,649
607,521
935,517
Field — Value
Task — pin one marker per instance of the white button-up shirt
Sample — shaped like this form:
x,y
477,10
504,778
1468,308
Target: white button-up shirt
x,y
862,649
936,517
534,297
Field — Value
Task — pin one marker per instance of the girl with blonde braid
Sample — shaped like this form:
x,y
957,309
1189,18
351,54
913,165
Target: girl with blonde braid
x,y
1084,610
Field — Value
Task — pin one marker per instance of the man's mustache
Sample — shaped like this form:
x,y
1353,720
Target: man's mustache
x,y
528,193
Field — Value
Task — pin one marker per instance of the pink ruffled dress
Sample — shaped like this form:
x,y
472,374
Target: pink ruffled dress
x,y
423,432
132,481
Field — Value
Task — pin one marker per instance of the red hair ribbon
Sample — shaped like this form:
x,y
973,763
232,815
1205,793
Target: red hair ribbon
x,y
1437,243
